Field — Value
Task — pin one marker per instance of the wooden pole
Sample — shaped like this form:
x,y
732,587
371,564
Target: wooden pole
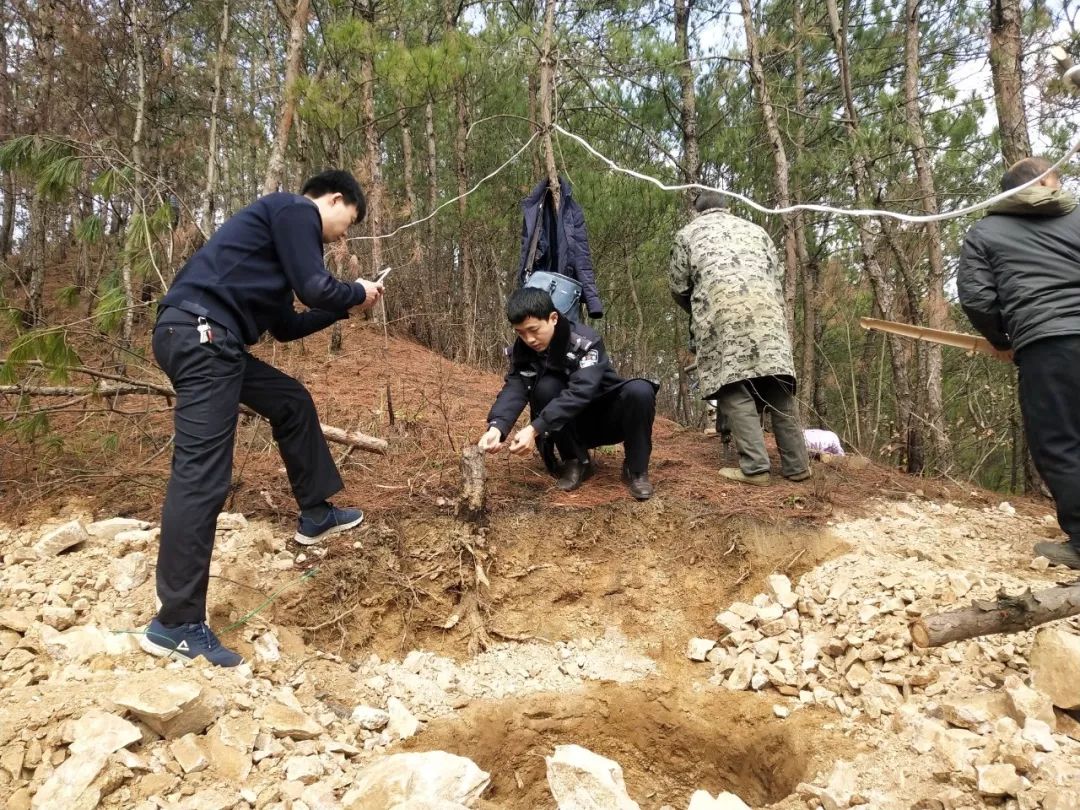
x,y
119,388
1006,614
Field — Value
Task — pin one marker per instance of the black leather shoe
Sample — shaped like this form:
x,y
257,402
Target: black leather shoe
x,y
1059,553
574,474
639,484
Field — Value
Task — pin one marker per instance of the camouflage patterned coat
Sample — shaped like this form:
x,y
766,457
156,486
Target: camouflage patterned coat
x,y
730,270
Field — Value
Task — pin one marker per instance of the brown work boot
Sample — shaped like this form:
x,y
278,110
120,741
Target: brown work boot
x,y
638,483
574,474
735,474
805,475
1059,553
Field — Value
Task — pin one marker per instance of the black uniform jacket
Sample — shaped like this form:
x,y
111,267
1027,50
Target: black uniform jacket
x,y
576,356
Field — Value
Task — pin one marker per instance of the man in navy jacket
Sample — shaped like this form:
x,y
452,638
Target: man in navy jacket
x,y
239,285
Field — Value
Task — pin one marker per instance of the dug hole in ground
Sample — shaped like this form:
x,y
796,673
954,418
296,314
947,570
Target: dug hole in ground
x,y
715,647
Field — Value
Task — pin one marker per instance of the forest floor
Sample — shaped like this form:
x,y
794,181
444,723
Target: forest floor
x,y
565,620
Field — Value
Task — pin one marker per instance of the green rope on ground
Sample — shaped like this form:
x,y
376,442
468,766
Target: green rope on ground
x,y
248,616
269,600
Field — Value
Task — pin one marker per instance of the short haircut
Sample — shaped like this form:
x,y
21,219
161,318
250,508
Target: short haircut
x,y
1026,170
708,200
529,302
336,181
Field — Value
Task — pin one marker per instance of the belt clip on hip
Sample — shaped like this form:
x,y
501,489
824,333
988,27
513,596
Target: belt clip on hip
x,y
206,334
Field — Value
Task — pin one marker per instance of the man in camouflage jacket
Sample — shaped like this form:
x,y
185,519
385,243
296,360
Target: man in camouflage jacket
x,y
726,273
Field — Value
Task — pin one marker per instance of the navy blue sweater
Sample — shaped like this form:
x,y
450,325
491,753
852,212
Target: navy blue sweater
x,y
244,278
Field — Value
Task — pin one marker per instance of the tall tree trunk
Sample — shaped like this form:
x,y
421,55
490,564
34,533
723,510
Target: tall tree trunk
x,y
432,160
461,167
547,88
275,168
7,126
936,308
900,355
781,171
1006,68
1007,71
7,228
372,171
691,156
212,147
809,380
137,166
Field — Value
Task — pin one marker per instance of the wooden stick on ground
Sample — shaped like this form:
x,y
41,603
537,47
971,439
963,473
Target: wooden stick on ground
x,y
351,438
1007,614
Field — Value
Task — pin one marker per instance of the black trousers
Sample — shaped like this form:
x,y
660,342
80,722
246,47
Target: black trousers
x,y
211,381
1050,402
624,414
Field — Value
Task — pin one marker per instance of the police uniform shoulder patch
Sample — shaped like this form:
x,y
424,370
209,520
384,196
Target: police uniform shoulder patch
x,y
591,358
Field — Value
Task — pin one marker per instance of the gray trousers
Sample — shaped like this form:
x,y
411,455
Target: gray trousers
x,y
738,402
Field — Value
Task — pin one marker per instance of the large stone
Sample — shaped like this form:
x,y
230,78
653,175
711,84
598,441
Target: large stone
x,y
1060,799
128,573
972,712
108,529
730,621
189,754
414,777
285,721
582,780
369,718
229,745
998,780
698,648
267,648
230,521
725,801
85,642
1040,735
210,799
172,707
1054,662
304,769
742,673
403,723
1025,702
61,539
15,620
68,785
98,730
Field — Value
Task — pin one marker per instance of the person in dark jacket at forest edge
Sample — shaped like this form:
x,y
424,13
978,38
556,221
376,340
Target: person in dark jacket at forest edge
x,y
1019,283
563,373
239,285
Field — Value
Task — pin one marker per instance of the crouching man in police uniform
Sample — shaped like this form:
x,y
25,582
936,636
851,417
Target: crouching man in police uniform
x,y
576,399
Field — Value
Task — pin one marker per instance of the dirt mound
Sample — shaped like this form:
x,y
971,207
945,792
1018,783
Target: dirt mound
x,y
669,740
655,571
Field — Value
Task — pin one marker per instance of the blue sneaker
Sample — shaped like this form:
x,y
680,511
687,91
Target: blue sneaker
x,y
187,642
310,531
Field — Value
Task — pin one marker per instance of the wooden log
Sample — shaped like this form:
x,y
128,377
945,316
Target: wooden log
x,y
1006,614
350,438
354,438
470,505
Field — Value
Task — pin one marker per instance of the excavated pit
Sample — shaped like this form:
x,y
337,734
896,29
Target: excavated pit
x,y
669,740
